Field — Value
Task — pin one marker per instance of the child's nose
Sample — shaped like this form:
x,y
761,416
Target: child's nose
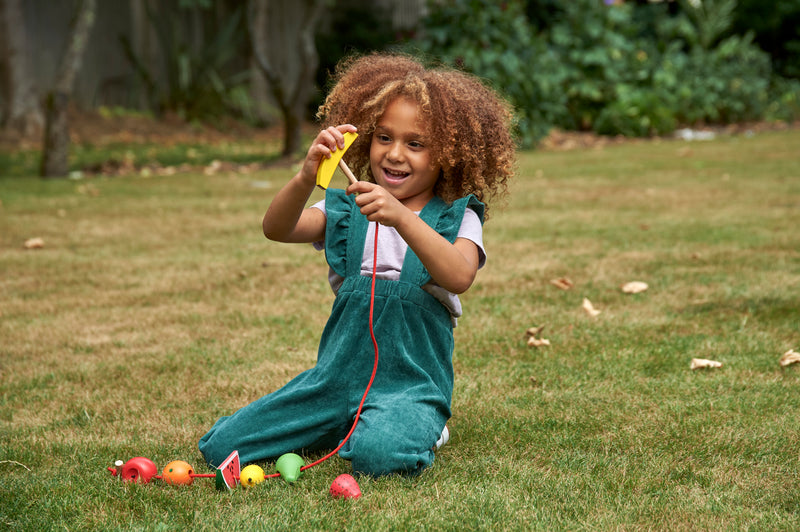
x,y
395,152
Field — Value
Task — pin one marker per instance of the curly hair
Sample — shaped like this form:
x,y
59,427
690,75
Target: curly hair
x,y
468,124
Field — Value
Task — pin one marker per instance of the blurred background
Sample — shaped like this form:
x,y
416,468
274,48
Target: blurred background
x,y
612,67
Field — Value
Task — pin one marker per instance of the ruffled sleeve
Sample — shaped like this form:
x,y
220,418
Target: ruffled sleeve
x,y
338,207
450,220
444,219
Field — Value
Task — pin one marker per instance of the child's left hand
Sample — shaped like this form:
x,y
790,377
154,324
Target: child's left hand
x,y
377,204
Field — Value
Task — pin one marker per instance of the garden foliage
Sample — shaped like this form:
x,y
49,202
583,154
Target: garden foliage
x,y
626,69
776,26
202,82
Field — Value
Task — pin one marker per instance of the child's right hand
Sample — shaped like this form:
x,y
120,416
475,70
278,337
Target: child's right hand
x,y
287,219
327,141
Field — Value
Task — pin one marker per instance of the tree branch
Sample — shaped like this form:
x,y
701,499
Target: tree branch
x,y
308,53
255,25
79,37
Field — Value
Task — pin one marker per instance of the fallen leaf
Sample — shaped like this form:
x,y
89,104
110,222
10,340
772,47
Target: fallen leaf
x,y
634,287
537,342
532,333
789,357
701,363
589,308
562,282
34,243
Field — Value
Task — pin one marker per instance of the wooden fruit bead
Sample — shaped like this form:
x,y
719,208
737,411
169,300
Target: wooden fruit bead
x,y
290,465
138,469
251,475
345,487
178,473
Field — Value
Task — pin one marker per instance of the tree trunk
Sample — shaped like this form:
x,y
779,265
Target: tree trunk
x,y
282,38
55,152
264,106
292,134
21,112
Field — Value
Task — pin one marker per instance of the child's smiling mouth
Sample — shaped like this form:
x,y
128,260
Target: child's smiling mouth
x,y
395,175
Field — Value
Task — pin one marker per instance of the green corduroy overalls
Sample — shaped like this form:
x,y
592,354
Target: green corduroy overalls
x,y
409,402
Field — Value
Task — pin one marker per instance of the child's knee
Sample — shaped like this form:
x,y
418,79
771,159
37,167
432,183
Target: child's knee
x,y
376,455
211,449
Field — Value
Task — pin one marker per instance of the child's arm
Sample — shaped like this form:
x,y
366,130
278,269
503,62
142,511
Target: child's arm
x,y
452,266
287,219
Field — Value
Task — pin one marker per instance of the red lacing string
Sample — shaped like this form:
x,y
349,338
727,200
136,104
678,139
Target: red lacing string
x,y
374,366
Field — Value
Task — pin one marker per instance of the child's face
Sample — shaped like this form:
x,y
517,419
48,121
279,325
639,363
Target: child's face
x,y
400,159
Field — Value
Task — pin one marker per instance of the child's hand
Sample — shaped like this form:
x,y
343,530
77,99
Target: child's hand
x,y
377,204
328,141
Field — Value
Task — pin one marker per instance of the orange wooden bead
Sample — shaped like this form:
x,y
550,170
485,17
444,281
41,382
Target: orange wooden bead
x,y
178,473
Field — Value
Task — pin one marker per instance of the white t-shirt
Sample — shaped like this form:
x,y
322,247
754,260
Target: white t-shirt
x,y
392,251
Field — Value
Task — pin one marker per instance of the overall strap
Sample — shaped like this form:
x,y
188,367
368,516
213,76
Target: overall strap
x,y
345,233
444,219
356,238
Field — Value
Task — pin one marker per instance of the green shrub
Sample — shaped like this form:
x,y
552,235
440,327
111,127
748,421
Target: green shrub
x,y
494,41
350,28
728,83
776,29
617,70
784,101
609,68
637,112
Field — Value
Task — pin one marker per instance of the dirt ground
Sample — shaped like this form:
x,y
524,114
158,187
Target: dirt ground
x,y
91,127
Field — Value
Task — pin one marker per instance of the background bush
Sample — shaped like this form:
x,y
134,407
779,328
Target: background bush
x,y
776,29
494,40
350,28
626,69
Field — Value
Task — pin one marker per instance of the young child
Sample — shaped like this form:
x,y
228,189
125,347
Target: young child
x,y
433,145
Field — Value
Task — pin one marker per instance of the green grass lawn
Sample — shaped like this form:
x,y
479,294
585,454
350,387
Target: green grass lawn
x,y
156,306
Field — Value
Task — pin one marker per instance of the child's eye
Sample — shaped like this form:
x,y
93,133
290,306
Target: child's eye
x,y
415,144
383,138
